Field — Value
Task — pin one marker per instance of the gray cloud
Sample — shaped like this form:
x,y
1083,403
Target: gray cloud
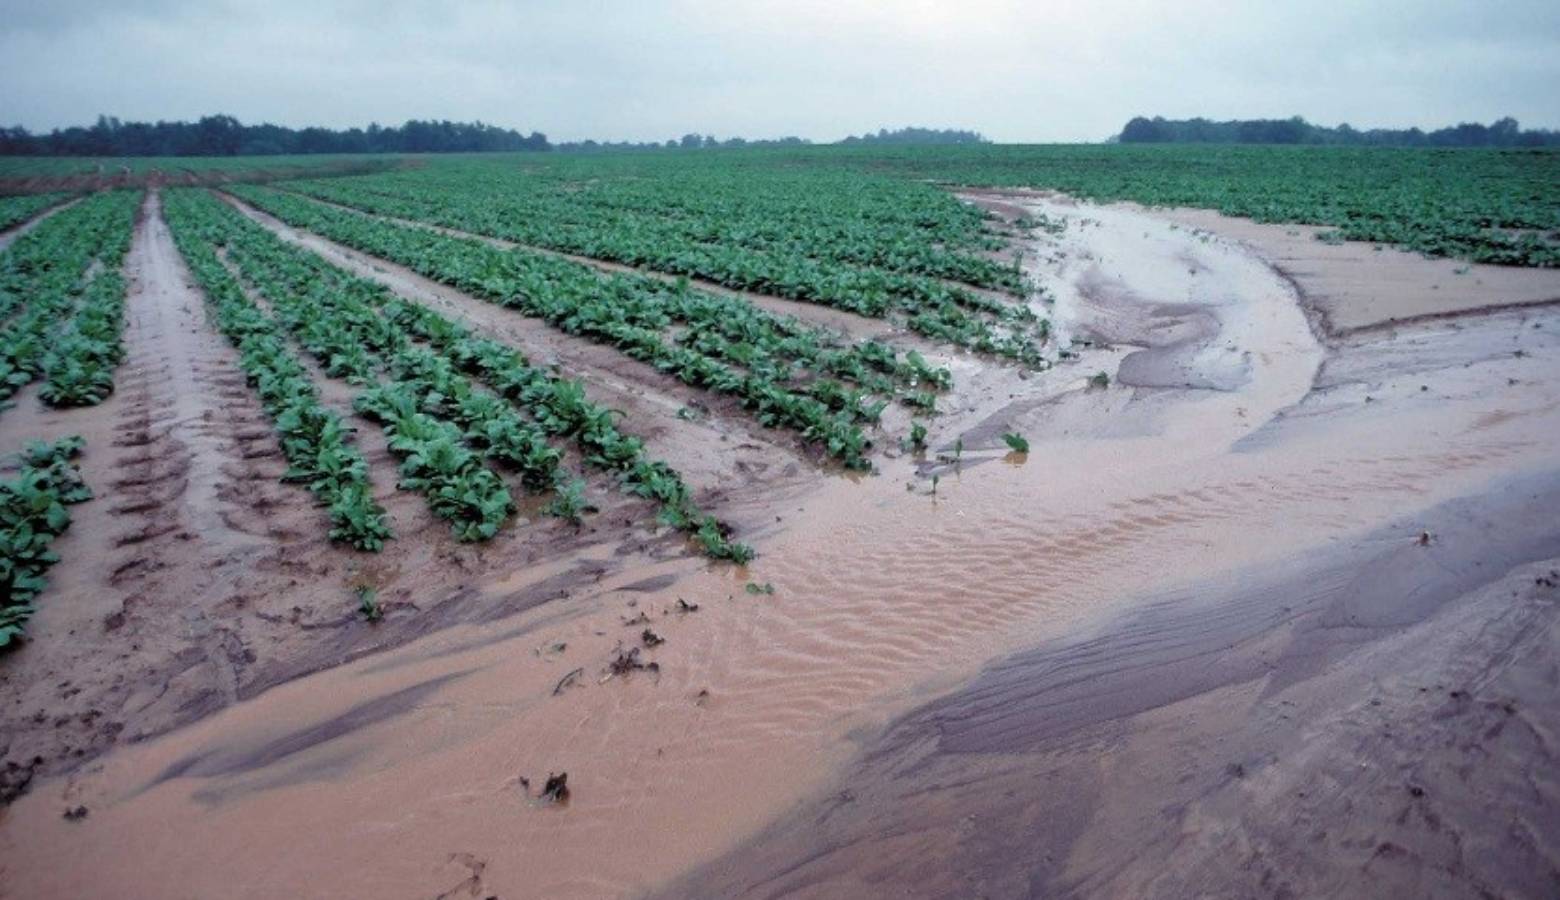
x,y
1018,71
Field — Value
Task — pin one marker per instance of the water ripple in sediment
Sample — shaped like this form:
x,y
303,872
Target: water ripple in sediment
x,y
949,585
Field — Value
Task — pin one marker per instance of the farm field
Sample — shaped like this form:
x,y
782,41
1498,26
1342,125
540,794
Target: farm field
x,y
30,176
765,493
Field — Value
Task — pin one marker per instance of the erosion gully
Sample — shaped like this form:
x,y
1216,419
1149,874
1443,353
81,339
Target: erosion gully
x,y
998,687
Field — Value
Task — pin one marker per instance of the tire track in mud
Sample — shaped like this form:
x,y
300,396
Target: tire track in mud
x,y
184,467
198,470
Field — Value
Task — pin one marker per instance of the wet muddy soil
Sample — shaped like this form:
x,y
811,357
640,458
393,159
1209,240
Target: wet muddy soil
x,y
1262,575
1375,719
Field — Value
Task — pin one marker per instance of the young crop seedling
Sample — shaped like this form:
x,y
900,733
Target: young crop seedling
x,y
368,603
1017,442
570,503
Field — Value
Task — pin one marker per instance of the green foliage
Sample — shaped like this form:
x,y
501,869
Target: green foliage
x,y
447,399
61,301
1016,442
16,210
570,503
1484,205
725,345
314,440
857,242
32,514
368,603
714,538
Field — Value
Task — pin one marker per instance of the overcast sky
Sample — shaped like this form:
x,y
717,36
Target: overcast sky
x,y
1017,70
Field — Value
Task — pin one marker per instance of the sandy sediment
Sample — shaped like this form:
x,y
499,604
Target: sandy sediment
x,y
1372,719
1356,285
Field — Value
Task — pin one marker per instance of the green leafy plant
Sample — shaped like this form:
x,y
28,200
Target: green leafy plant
x,y
1016,442
368,603
570,503
33,512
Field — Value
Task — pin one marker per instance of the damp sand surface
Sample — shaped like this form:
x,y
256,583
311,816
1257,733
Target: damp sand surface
x,y
1240,441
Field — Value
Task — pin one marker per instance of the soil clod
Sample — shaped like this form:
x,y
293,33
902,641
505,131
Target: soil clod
x,y
556,789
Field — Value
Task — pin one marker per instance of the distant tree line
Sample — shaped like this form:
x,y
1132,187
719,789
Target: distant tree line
x,y
913,135
690,141
222,135
695,141
1501,133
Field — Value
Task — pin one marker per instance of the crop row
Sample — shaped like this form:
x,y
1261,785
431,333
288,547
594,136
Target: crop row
x,y
314,440
434,459
633,314
62,299
888,224
16,210
956,314
436,417
33,512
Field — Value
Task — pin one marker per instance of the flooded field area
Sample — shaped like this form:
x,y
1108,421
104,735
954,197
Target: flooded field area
x,y
1267,606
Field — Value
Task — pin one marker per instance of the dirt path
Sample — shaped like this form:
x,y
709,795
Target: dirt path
x,y
1244,447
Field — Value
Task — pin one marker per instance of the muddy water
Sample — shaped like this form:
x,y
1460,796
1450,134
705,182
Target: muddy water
x,y
400,775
